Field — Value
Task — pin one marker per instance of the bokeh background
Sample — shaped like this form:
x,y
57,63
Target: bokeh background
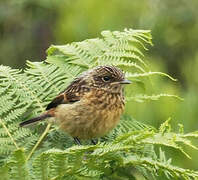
x,y
29,27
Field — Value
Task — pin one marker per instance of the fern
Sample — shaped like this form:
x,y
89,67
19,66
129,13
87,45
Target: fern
x,y
130,150
44,152
144,97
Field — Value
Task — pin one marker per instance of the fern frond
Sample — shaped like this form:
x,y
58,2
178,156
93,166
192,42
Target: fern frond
x,y
17,166
128,150
114,45
12,87
155,165
147,74
144,97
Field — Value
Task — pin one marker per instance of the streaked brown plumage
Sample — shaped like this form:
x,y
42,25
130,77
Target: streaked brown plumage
x,y
90,106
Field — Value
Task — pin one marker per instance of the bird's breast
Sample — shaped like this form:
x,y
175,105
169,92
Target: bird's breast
x,y
94,115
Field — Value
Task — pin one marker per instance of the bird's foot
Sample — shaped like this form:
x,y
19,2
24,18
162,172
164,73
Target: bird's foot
x,y
77,141
94,141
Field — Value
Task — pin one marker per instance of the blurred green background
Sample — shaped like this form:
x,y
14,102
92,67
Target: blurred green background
x,y
29,27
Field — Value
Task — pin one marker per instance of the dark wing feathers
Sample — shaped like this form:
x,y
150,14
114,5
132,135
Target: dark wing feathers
x,y
69,95
55,102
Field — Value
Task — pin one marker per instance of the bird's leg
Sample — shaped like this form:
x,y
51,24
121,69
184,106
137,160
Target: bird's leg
x,y
94,142
77,141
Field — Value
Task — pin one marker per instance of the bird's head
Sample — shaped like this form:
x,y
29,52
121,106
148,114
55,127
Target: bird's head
x,y
109,78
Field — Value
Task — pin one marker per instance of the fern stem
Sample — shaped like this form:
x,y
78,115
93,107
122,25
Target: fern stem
x,y
4,126
39,141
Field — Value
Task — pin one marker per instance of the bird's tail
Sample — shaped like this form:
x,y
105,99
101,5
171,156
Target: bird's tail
x,y
36,119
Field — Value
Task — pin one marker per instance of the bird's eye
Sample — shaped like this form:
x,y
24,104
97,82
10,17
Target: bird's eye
x,y
106,78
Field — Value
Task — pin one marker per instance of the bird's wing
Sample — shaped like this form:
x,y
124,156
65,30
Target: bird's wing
x,y
71,94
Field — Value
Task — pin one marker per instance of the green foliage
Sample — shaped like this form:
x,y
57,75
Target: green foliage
x,y
130,149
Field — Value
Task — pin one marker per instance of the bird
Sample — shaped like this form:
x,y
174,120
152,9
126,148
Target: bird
x,y
91,105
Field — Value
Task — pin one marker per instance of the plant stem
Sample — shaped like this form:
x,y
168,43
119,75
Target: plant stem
x,y
4,126
39,141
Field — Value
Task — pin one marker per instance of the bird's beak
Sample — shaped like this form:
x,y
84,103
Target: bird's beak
x,y
125,81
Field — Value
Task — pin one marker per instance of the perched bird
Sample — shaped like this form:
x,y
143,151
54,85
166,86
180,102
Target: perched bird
x,y
90,106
